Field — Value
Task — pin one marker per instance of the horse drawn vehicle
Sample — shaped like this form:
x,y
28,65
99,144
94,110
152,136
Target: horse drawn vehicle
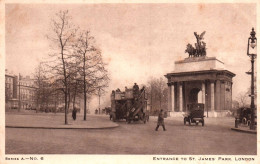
x,y
130,105
194,114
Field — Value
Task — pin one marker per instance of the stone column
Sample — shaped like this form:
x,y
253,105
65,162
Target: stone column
x,y
223,96
172,97
217,95
180,98
169,98
231,99
212,95
203,92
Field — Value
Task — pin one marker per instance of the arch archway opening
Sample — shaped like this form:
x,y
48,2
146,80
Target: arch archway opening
x,y
195,95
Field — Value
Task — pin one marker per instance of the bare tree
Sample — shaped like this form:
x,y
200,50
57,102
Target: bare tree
x,y
62,39
46,92
92,68
40,79
161,87
243,99
75,86
157,93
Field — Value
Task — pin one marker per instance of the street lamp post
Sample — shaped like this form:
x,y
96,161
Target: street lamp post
x,y
252,40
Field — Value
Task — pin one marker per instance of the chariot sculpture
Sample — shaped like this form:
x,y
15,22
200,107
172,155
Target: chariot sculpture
x,y
200,46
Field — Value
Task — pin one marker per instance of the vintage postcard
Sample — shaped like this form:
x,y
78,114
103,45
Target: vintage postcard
x,y
129,82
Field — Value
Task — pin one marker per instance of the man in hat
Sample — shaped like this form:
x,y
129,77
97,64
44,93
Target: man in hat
x,y
160,121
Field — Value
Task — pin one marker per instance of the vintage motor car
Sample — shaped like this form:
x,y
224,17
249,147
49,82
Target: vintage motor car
x,y
194,114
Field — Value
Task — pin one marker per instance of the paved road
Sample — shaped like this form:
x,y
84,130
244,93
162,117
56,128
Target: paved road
x,y
214,138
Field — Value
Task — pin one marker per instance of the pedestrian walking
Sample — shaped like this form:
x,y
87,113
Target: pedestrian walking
x,y
74,114
160,121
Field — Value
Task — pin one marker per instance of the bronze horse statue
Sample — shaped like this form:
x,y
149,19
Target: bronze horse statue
x,y
190,50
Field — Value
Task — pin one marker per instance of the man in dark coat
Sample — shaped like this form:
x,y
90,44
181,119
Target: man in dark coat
x,y
160,121
74,114
136,91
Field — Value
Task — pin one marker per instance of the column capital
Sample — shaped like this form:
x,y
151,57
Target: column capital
x,y
180,82
171,83
222,81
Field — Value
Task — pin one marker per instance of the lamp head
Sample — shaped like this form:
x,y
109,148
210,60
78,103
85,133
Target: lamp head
x,y
253,38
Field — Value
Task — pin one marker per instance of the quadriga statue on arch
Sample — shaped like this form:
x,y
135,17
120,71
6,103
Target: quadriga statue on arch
x,y
200,46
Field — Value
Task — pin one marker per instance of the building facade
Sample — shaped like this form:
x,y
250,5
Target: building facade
x,y
11,94
19,92
27,92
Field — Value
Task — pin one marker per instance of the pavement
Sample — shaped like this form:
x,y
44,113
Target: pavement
x,y
244,129
56,121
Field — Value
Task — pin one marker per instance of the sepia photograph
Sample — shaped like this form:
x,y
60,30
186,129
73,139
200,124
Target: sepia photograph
x,y
152,82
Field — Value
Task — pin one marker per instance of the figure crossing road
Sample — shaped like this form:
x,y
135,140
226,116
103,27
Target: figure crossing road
x,y
160,121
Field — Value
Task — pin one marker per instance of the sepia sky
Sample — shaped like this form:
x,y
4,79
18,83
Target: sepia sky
x,y
137,40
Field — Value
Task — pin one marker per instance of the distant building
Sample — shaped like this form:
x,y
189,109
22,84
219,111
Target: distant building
x,y
19,92
22,93
27,92
11,94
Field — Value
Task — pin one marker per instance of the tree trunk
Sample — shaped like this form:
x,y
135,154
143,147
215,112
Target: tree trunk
x,y
69,94
75,94
85,92
85,105
66,86
66,120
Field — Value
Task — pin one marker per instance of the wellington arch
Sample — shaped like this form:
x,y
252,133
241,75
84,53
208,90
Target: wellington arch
x,y
200,79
